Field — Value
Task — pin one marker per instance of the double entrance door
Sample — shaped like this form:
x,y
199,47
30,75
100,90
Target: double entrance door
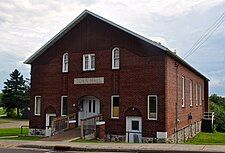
x,y
89,106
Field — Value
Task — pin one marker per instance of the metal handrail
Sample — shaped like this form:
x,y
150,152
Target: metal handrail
x,y
62,123
208,115
21,128
84,121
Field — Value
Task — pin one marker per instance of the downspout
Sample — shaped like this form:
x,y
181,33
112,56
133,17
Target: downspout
x,y
176,105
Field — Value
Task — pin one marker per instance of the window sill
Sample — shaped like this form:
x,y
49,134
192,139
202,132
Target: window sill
x,y
152,119
115,68
88,70
37,114
114,118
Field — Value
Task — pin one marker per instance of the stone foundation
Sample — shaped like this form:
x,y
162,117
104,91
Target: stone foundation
x,y
40,132
186,133
181,136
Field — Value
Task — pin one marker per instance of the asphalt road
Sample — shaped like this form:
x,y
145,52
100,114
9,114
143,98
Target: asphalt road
x,y
3,150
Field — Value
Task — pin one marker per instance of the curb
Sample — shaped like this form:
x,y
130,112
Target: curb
x,y
114,150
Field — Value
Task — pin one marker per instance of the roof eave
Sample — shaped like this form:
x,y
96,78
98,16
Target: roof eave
x,y
186,64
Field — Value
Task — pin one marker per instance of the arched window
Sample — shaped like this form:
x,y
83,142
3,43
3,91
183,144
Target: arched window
x,y
65,62
115,58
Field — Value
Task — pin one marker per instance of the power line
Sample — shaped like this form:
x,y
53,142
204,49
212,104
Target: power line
x,y
206,35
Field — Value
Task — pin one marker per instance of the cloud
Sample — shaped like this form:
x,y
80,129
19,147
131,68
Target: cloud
x,y
27,25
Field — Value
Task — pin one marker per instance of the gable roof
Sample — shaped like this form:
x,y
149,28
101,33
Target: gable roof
x,y
82,16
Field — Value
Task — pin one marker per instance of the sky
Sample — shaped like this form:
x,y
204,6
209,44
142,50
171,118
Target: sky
x,y
26,25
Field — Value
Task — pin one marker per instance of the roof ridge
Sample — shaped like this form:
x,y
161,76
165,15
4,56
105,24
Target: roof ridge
x,y
74,22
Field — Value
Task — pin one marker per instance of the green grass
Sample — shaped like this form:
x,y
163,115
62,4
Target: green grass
x,y
208,138
12,132
28,138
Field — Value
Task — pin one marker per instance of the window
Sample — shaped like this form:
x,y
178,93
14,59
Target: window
x,y
93,106
196,94
115,58
200,94
183,91
37,105
64,106
191,93
152,107
65,62
89,106
135,125
88,62
115,100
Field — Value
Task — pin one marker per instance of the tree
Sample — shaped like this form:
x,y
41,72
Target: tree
x,y
15,93
217,105
0,99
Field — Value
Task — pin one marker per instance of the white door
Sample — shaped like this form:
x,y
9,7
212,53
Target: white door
x,y
48,128
133,129
90,107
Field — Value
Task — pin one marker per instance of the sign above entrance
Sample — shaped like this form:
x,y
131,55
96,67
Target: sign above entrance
x,y
97,80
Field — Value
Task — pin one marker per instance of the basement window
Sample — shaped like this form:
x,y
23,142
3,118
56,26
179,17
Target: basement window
x,y
37,105
115,100
152,107
88,62
64,107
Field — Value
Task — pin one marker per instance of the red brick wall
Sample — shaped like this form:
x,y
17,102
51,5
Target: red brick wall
x,y
144,70
196,111
141,73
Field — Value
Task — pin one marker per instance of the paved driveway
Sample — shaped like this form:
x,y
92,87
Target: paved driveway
x,y
12,123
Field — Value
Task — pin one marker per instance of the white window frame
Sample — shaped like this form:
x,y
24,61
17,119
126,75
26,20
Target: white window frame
x,y
112,106
62,105
200,94
89,68
196,94
156,107
113,58
183,91
35,105
65,62
191,93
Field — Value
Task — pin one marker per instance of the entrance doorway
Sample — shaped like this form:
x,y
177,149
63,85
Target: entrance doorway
x,y
133,129
89,106
48,128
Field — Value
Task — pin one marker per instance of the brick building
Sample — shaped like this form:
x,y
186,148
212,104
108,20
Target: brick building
x,y
94,66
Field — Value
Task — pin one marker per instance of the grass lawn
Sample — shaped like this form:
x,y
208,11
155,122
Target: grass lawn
x,y
12,132
28,138
208,138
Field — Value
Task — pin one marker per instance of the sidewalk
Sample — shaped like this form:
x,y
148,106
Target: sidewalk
x,y
118,147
